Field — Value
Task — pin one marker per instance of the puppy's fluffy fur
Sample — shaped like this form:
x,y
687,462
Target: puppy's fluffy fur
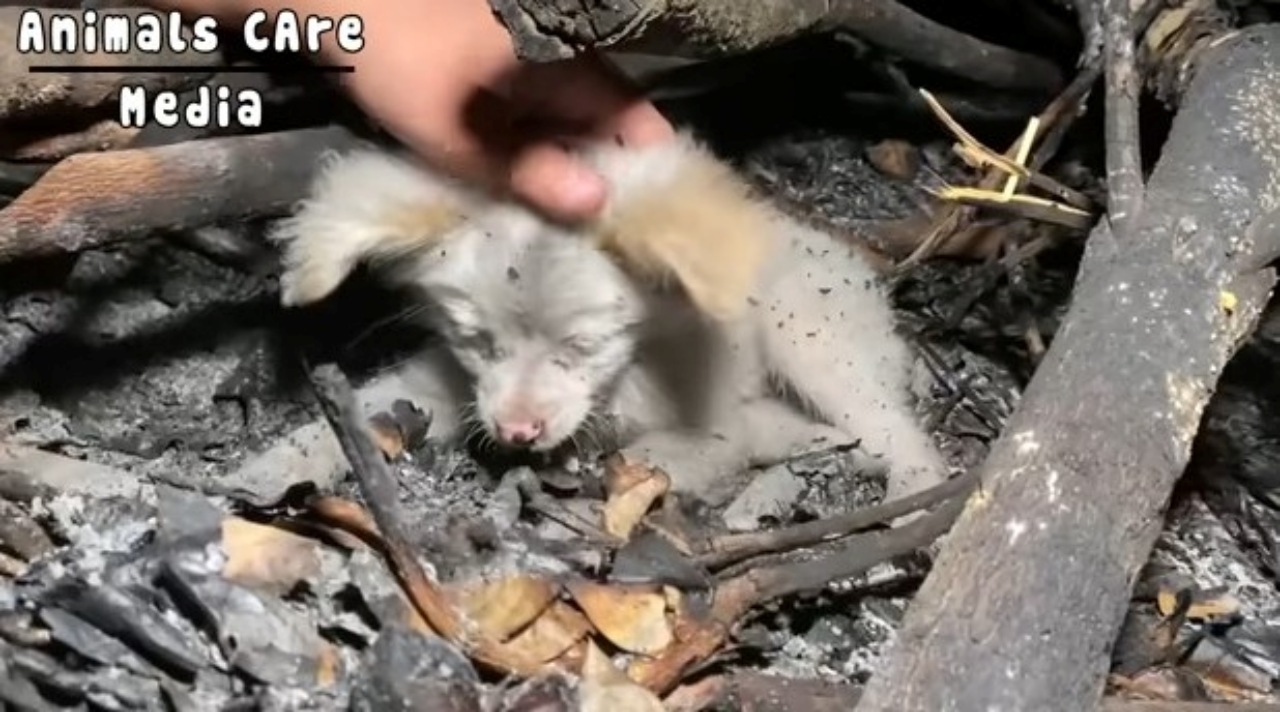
x,y
692,325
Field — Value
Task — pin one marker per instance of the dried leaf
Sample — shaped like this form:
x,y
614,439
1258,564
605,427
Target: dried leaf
x,y
551,634
633,618
896,159
386,435
605,688
1153,684
626,507
265,557
502,608
1205,606
621,475
330,666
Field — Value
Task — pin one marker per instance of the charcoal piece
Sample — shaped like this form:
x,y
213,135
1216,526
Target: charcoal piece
x,y
132,620
650,558
551,693
104,688
378,590
212,691
259,635
410,672
20,534
186,516
93,644
18,692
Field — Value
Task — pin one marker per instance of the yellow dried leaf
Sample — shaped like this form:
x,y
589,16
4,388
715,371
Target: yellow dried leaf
x,y
1228,301
502,608
621,475
624,509
1202,608
551,634
633,618
605,688
265,557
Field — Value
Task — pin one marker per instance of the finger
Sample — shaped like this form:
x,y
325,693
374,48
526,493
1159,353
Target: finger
x,y
465,142
545,176
481,142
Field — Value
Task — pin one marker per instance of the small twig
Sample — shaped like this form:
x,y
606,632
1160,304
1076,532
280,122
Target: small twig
x,y
724,550
378,487
1055,120
1125,187
850,558
734,598
567,518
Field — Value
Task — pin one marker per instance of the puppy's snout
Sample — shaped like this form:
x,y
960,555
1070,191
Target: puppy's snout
x,y
519,432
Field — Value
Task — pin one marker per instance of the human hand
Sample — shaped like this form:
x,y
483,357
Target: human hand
x,y
442,77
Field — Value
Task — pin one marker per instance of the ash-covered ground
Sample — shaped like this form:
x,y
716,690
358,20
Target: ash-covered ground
x,y
169,362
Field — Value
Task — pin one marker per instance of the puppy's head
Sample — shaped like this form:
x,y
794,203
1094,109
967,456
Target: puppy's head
x,y
544,323
542,320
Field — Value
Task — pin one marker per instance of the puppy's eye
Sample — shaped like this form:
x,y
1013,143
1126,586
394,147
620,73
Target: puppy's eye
x,y
581,344
479,340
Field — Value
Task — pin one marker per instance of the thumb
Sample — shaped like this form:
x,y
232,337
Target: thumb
x,y
549,179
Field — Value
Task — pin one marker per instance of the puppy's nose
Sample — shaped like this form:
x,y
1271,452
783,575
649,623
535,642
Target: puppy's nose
x,y
519,432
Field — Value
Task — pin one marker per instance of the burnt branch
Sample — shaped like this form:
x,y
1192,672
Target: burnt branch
x,y
736,596
1033,582
378,487
94,199
1124,161
732,548
547,30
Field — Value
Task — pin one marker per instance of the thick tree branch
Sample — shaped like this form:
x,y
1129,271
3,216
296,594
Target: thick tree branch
x,y
1024,601
546,30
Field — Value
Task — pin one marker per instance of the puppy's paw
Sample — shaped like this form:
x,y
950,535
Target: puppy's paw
x,y
702,466
310,281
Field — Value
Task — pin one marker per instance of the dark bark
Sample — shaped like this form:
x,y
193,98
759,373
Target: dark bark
x,y
1032,583
546,30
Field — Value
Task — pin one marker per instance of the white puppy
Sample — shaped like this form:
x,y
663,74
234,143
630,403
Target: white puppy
x,y
692,326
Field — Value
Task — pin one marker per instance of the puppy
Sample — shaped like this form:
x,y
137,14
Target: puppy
x,y
692,326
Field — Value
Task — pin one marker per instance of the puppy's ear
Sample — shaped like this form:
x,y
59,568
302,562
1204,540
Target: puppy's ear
x,y
364,206
678,213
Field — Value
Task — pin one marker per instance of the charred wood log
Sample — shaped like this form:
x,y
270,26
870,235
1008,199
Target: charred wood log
x,y
1033,581
546,30
94,199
